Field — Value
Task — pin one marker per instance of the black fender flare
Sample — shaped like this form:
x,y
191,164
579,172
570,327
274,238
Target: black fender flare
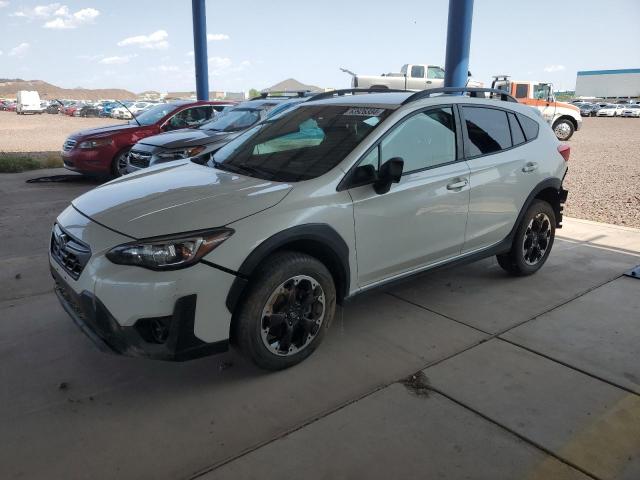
x,y
554,183
314,233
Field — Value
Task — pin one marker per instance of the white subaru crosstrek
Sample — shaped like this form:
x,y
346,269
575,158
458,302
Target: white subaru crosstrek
x,y
255,244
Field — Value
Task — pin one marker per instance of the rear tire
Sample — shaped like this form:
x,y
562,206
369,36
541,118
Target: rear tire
x,y
563,129
289,306
533,241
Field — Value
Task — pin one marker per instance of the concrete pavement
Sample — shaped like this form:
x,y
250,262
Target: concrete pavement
x,y
535,378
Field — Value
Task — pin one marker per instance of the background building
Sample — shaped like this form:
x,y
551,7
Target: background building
x,y
608,83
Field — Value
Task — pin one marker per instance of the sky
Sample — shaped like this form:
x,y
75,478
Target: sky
x,y
148,44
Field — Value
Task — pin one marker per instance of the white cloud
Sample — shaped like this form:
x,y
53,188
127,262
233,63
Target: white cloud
x,y
4,3
156,40
190,53
19,50
554,68
58,15
66,21
0,52
216,37
117,60
40,11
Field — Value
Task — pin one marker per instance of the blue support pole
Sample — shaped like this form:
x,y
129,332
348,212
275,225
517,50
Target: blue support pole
x,y
199,13
458,42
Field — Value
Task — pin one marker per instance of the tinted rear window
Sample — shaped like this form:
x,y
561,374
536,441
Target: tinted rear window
x,y
517,135
487,129
529,126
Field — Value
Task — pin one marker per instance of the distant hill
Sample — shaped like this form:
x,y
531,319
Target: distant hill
x,y
10,87
292,85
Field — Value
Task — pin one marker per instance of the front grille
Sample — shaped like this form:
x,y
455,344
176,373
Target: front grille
x,y
69,144
139,159
71,254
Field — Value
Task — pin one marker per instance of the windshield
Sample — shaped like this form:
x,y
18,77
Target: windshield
x,y
154,114
302,144
233,120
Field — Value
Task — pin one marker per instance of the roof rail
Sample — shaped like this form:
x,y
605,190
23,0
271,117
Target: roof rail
x,y
282,93
472,91
353,91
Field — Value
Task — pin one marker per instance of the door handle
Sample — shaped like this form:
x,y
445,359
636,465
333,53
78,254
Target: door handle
x,y
429,81
530,167
457,185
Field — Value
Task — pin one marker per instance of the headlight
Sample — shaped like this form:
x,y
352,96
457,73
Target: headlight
x,y
169,253
180,154
96,143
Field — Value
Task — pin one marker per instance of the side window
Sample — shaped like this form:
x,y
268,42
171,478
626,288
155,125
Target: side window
x,y
529,126
517,135
487,130
424,140
541,91
371,158
417,71
522,90
435,72
191,117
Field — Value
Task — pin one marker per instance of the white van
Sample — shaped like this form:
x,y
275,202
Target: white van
x,y
28,102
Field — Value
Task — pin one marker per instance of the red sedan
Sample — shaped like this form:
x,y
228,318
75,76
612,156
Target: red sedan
x,y
103,151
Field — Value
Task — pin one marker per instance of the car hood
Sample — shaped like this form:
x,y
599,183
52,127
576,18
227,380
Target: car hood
x,y
187,137
104,131
177,197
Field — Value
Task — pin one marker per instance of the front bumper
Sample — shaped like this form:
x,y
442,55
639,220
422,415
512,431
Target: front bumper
x,y
168,315
161,338
92,161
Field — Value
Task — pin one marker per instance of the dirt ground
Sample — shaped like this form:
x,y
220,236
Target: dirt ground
x,y
603,179
604,171
42,133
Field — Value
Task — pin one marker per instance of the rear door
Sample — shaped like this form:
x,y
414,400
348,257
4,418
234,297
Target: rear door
x,y
422,219
504,169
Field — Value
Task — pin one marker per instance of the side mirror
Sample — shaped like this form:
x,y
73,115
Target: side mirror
x,y
390,172
363,175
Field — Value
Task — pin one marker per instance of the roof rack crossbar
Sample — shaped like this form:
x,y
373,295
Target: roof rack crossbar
x,y
281,93
353,91
472,91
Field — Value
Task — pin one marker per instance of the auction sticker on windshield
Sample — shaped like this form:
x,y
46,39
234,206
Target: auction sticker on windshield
x,y
364,111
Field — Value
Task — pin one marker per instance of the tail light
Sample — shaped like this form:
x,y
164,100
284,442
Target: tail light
x,y
565,151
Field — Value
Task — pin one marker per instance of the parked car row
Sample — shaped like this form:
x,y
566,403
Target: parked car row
x,y
104,151
321,198
168,132
604,109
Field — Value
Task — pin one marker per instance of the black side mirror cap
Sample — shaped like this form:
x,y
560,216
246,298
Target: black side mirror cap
x,y
390,172
363,175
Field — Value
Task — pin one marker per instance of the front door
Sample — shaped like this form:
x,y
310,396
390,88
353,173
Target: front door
x,y
422,219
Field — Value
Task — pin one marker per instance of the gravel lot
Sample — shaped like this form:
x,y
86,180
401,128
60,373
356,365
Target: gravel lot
x,y
603,179
604,171
42,133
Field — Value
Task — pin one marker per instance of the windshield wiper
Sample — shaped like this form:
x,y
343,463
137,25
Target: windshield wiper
x,y
242,170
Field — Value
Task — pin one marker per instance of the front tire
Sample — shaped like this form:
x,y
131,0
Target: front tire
x,y
289,307
563,129
533,241
119,164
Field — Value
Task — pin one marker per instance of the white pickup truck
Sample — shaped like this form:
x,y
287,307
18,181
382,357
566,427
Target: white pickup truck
x,y
411,77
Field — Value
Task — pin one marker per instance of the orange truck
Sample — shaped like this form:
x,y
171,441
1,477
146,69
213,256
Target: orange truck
x,y
564,118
